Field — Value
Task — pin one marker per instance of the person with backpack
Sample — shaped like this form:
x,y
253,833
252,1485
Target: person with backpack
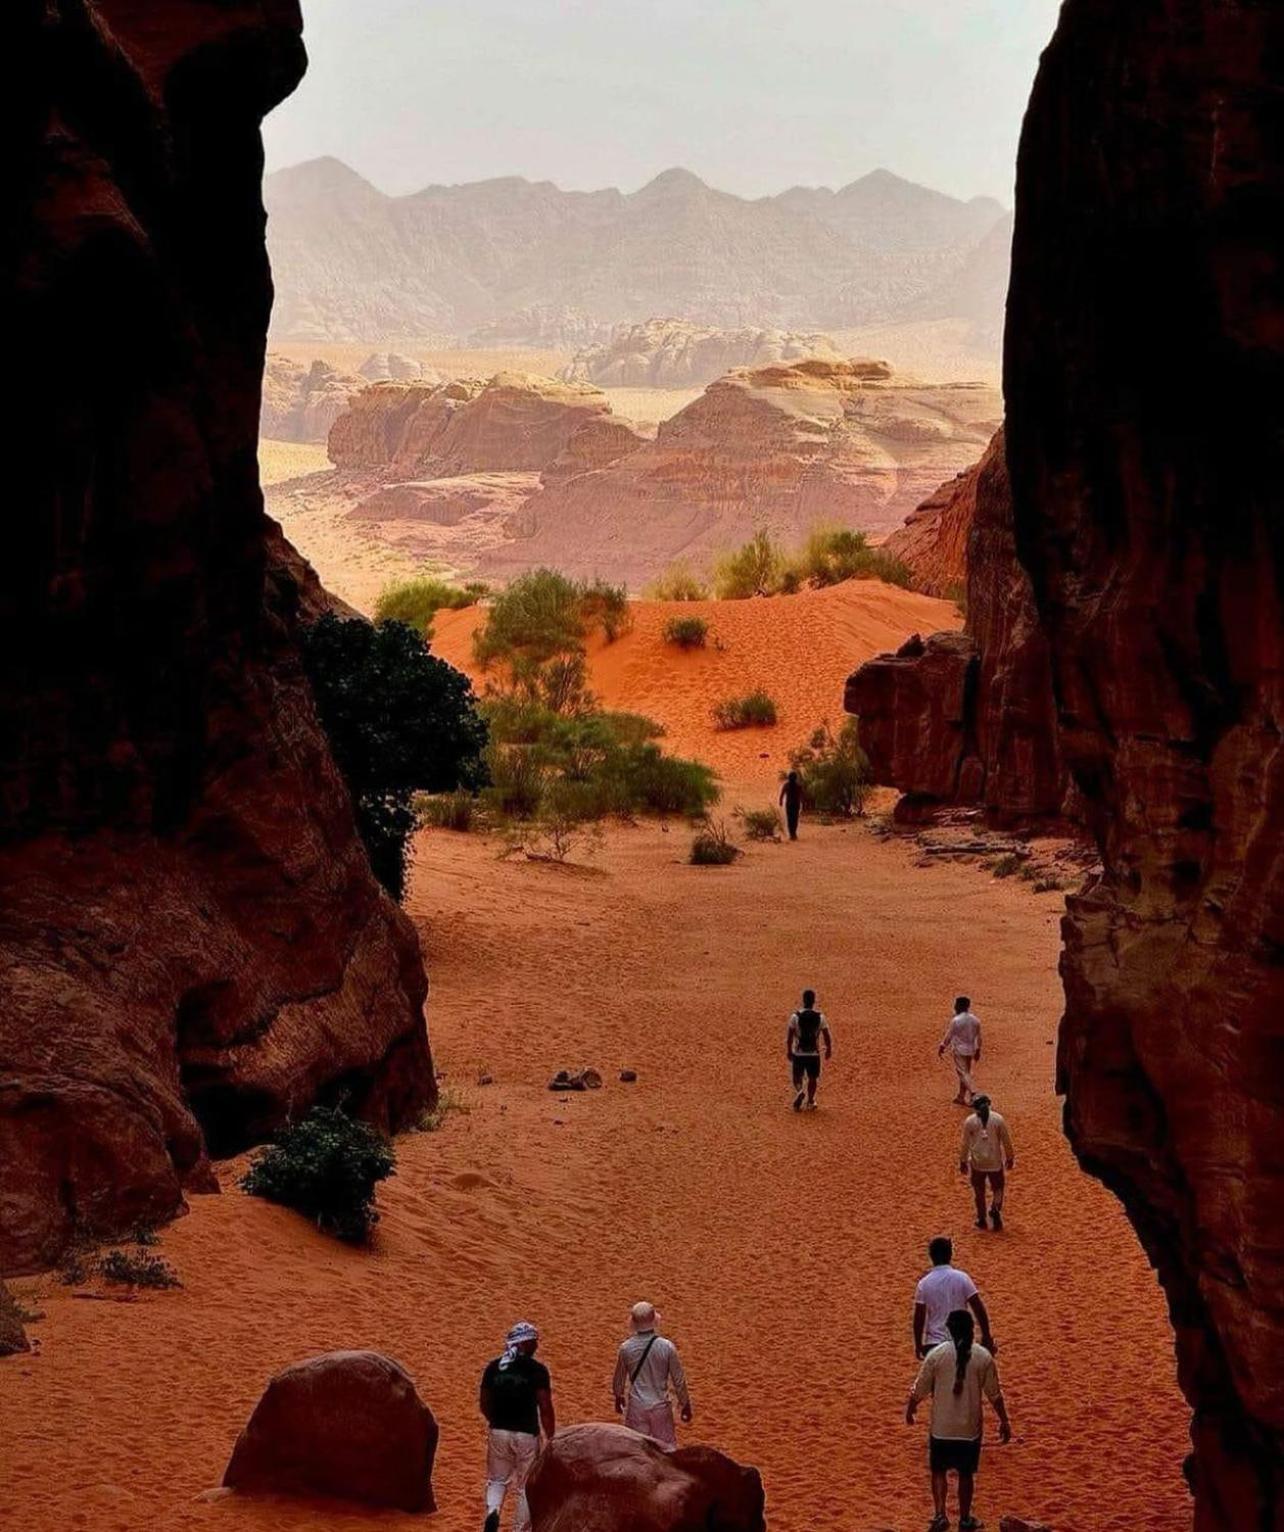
x,y
986,1154
956,1376
791,797
807,1026
963,1039
646,1366
516,1400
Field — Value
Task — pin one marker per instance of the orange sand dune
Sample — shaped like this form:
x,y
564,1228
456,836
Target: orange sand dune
x,y
800,648
783,1250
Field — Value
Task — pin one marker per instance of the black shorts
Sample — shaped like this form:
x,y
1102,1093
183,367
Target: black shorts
x,y
943,1453
806,1066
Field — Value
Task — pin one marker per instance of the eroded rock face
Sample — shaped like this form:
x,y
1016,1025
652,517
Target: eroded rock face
x,y
349,1425
192,945
933,540
302,402
969,718
1147,254
674,353
606,1478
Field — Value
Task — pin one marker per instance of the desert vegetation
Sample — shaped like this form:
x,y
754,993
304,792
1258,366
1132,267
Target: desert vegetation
x,y
712,846
686,632
755,710
760,824
833,771
679,582
828,556
417,602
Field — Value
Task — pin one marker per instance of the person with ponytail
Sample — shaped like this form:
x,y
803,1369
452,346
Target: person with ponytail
x,y
957,1376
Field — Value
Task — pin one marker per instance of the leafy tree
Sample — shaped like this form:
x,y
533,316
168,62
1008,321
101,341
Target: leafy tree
x,y
398,720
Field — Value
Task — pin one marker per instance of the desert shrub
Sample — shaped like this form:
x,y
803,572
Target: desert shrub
x,y
755,710
761,824
889,569
125,1269
325,1166
1049,886
518,774
399,720
833,771
607,607
957,593
446,811
1006,865
561,685
686,632
832,554
434,1117
678,583
754,569
713,847
646,781
534,618
416,602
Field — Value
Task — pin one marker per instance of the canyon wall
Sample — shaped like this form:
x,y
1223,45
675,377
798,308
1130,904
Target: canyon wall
x,y
1144,377
192,946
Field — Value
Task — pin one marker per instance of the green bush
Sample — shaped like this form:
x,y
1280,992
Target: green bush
x,y
713,847
678,583
833,771
891,571
607,607
125,1269
756,710
1006,865
518,774
416,602
399,720
832,554
754,569
446,811
686,632
761,824
325,1166
646,781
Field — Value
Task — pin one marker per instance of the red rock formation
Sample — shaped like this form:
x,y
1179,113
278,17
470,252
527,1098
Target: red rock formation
x,y
675,353
933,540
349,1425
1144,373
969,718
192,944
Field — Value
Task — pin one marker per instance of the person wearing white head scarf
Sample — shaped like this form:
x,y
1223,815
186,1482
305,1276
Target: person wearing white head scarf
x,y
646,1367
517,1401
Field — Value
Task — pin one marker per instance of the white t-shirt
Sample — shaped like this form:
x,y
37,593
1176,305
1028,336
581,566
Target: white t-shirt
x,y
956,1417
963,1033
941,1291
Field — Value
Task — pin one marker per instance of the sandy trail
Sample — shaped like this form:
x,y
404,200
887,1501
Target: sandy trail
x,y
783,1250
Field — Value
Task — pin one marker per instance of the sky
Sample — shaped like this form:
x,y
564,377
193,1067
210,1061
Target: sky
x,y
752,95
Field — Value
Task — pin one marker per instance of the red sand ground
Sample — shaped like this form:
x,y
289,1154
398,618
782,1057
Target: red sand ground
x,y
800,648
783,1250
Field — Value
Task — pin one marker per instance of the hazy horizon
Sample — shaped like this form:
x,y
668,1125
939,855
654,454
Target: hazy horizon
x,y
745,94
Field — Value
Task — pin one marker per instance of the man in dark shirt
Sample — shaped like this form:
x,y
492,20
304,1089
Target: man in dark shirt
x,y
516,1399
791,797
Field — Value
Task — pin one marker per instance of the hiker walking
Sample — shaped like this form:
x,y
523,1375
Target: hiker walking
x,y
943,1290
645,1369
791,797
517,1400
806,1027
963,1039
986,1154
956,1376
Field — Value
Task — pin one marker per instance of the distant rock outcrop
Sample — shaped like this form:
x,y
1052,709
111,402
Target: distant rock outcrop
x,y
674,353
193,946
301,402
783,447
349,1425
385,366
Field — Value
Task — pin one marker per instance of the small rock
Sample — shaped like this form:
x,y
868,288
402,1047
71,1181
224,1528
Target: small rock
x,y
1015,1524
592,1080
579,1079
628,1076
485,1079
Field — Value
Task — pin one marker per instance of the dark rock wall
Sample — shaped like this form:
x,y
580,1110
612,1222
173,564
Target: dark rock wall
x,y
191,943
1144,382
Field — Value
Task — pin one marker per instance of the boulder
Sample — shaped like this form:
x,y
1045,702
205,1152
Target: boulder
x,y
606,1478
349,1425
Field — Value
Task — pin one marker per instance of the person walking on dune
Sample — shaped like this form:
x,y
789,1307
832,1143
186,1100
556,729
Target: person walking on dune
x,y
963,1039
986,1154
517,1400
791,797
956,1377
806,1027
646,1368
944,1289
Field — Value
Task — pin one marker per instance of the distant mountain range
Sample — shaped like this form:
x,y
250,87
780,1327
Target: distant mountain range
x,y
518,262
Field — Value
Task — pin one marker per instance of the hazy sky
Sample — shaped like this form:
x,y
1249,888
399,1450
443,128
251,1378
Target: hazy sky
x,y
752,95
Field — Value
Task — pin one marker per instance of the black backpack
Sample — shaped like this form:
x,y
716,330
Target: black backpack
x,y
808,1030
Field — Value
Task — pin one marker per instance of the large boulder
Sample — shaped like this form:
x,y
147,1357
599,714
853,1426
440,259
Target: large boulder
x,y
193,947
349,1425
606,1478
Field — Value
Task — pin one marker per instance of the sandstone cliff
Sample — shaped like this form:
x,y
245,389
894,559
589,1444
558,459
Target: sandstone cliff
x,y
192,944
674,353
1147,254
933,539
301,402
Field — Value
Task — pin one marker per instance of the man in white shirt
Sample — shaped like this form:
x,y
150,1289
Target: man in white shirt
x,y
986,1153
963,1039
943,1290
646,1367
806,1027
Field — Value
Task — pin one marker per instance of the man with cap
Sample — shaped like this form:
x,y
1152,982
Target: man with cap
x,y
985,1154
516,1399
646,1366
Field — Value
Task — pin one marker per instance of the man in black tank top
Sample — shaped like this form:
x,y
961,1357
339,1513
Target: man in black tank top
x,y
807,1026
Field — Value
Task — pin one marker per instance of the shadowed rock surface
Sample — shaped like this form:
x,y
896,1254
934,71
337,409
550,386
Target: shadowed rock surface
x,y
606,1478
192,945
349,1425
